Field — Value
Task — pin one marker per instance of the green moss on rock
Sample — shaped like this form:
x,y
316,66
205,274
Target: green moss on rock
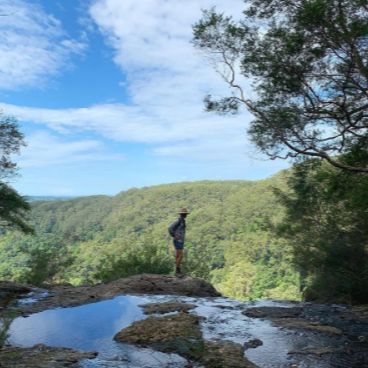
x,y
181,334
162,308
41,356
170,334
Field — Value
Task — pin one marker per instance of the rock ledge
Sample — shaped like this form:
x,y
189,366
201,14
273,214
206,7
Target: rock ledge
x,y
68,295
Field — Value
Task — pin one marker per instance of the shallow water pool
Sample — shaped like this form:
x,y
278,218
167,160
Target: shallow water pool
x,y
91,327
84,327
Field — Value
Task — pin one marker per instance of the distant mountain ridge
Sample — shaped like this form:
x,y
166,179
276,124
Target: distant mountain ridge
x,y
48,198
230,240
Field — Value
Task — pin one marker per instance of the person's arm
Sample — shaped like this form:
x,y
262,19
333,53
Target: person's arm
x,y
173,227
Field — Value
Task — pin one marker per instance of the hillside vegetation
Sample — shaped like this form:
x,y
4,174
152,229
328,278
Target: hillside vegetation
x,y
230,238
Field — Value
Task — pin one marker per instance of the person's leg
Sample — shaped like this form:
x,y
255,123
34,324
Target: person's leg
x,y
179,258
178,254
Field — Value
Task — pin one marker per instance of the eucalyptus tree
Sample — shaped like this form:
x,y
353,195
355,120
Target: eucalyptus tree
x,y
12,205
301,68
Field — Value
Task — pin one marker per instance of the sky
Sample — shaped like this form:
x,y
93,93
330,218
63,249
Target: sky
x,y
109,95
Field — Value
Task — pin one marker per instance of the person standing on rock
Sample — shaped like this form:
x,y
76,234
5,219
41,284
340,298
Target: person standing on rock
x,y
177,231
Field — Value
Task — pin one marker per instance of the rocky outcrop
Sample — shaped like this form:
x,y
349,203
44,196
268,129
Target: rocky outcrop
x,y
252,344
67,295
170,334
163,284
292,318
181,334
11,290
273,312
13,287
224,354
342,332
41,356
312,332
294,323
168,307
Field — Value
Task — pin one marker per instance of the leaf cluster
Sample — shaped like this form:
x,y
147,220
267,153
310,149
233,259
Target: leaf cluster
x,y
13,207
308,61
326,221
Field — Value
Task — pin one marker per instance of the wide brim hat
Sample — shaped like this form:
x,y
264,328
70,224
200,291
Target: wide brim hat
x,y
183,211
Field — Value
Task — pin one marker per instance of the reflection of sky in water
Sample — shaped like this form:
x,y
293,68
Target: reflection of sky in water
x,y
91,327
84,327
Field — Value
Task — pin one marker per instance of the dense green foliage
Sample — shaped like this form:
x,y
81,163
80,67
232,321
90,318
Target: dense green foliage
x,y
13,207
302,229
308,61
305,228
11,140
100,238
326,224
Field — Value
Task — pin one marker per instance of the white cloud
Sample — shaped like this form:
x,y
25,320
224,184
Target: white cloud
x,y
167,80
33,45
130,123
152,42
44,149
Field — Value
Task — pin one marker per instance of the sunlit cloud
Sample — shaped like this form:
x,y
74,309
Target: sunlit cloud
x,y
166,80
44,149
33,45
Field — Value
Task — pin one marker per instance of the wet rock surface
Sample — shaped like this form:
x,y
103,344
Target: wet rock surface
x,y
11,290
168,307
67,295
342,331
273,312
224,354
205,332
295,323
13,287
317,351
252,344
293,318
181,334
41,356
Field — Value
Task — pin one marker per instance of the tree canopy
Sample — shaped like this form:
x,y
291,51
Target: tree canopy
x,y
303,227
229,238
11,140
308,64
12,205
326,224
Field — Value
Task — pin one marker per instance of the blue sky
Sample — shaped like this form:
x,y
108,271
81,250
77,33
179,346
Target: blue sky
x,y
109,95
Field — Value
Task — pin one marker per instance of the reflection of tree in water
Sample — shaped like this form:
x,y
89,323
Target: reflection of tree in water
x,y
6,320
6,316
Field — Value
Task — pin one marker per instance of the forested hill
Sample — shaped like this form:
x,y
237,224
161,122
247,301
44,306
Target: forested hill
x,y
46,198
99,238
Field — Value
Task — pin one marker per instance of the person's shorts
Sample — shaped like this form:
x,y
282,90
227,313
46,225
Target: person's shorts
x,y
178,244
